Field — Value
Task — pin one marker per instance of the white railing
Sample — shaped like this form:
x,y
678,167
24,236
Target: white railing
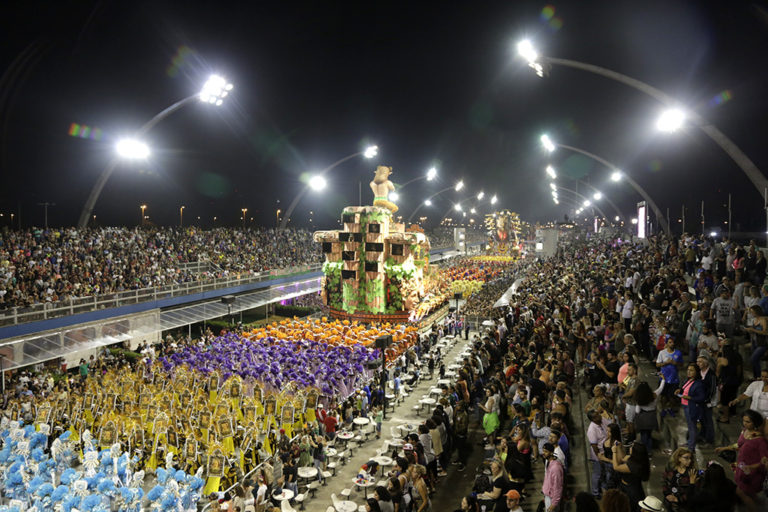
x,y
77,305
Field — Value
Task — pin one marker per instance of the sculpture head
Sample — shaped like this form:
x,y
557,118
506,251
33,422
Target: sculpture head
x,y
382,174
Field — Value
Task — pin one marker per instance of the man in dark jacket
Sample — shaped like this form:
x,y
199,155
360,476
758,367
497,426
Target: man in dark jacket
x,y
710,387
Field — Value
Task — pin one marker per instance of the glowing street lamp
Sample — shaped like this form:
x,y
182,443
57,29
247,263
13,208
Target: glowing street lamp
x,y
428,202
431,174
494,199
552,186
472,211
547,143
457,207
132,149
215,89
480,196
616,176
597,196
317,182
181,216
142,208
634,220
587,202
670,120
459,185
394,196
551,172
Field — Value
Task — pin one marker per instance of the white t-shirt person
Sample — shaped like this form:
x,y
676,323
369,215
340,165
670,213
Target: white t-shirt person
x,y
758,396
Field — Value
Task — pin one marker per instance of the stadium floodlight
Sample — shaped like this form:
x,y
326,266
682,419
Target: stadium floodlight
x,y
428,202
547,143
215,90
317,183
671,120
616,176
494,199
551,172
371,151
431,173
132,149
459,185
597,196
480,196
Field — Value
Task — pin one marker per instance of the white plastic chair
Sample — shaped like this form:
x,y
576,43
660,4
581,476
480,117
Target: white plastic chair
x,y
286,507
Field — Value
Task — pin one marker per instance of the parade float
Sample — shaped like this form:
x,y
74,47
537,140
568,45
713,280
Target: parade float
x,y
375,270
503,228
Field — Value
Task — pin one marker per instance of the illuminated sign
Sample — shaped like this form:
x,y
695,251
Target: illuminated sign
x,y
642,219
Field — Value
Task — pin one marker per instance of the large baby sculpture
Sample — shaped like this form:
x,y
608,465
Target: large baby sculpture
x,y
381,187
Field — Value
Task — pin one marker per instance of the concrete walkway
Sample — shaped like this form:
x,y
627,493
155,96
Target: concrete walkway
x,y
404,413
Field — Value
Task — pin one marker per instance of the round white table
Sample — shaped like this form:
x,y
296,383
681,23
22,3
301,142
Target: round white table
x,y
396,442
330,452
361,422
364,485
306,472
428,402
287,494
383,460
407,428
435,391
345,435
346,506
446,382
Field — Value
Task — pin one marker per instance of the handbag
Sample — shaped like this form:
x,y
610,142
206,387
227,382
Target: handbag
x,y
646,420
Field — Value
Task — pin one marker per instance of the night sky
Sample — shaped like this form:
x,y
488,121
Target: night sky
x,y
431,83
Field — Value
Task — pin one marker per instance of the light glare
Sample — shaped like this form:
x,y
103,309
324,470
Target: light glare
x,y
597,196
459,185
616,176
587,203
371,151
547,143
553,186
428,202
551,172
494,199
394,196
480,196
525,50
132,149
457,207
214,90
431,174
634,220
670,120
317,183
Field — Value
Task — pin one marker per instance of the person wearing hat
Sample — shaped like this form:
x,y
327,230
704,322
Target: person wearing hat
x,y
513,501
651,504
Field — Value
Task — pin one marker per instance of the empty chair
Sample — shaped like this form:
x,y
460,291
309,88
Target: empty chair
x,y
336,502
312,488
326,476
299,498
395,432
332,467
346,493
286,507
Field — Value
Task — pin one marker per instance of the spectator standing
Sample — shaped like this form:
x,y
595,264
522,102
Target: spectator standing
x,y
596,435
554,480
633,469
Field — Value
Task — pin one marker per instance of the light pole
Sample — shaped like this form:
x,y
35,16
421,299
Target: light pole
x,y
213,92
181,216
587,202
45,206
277,217
142,208
541,63
430,175
368,153
618,175
428,201
458,206
243,210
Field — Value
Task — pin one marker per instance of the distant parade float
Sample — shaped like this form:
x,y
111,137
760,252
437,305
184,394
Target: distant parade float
x,y
504,230
375,270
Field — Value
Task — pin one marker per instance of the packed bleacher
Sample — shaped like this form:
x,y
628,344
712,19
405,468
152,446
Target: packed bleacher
x,y
40,266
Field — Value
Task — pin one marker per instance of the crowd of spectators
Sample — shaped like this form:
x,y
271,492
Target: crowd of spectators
x,y
46,266
658,363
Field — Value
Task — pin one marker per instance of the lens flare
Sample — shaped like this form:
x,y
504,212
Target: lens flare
x,y
84,132
555,24
720,98
179,60
655,165
547,12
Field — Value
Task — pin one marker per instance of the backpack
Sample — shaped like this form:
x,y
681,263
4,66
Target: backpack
x,y
482,484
